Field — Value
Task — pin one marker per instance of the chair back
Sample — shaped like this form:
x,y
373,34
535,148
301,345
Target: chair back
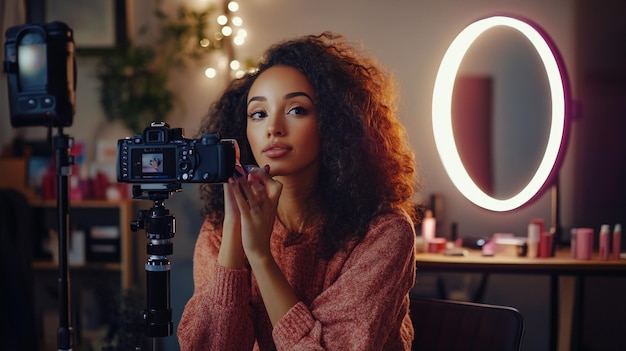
x,y
17,233
445,325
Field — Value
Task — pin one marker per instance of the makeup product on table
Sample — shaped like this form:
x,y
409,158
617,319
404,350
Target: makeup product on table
x,y
617,241
584,243
545,244
429,227
544,248
605,232
533,240
573,241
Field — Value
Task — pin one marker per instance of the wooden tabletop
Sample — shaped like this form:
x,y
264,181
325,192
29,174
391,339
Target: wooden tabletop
x,y
562,263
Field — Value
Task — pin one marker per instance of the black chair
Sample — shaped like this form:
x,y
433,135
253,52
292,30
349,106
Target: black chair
x,y
17,230
445,325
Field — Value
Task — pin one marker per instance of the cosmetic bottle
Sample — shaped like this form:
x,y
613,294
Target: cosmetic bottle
x,y
572,241
617,241
533,240
545,244
584,243
429,225
540,222
605,232
543,247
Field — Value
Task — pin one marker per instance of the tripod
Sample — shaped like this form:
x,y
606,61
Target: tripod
x,y
62,144
160,227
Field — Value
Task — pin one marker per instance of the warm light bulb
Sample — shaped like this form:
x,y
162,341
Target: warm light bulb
x,y
204,42
239,74
234,65
222,20
227,31
237,21
210,72
233,6
239,40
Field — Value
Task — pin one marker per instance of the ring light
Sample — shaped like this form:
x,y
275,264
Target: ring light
x,y
442,112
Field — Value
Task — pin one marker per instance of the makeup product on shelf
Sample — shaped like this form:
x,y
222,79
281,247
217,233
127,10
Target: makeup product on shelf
x,y
584,243
533,240
540,222
544,247
617,241
572,241
511,245
545,244
489,248
429,227
605,232
437,245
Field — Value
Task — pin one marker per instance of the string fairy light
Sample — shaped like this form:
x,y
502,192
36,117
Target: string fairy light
x,y
231,33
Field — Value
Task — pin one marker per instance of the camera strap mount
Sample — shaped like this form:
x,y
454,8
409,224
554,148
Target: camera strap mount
x,y
155,191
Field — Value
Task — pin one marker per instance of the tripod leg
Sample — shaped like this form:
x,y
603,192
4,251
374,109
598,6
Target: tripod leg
x,y
62,143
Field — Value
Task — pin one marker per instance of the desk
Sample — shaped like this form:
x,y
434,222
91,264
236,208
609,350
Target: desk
x,y
560,265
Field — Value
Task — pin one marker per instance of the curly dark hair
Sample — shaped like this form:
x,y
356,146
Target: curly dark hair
x,y
367,166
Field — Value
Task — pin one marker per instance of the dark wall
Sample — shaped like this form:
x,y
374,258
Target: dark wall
x,y
600,152
600,157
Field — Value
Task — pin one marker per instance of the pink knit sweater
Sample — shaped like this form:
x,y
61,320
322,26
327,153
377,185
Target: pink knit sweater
x,y
357,300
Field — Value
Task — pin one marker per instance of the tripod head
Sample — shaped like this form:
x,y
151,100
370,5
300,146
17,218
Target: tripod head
x,y
160,227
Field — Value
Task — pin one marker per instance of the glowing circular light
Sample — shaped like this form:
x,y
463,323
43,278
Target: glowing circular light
x,y
227,31
239,73
233,6
32,60
210,72
237,21
234,65
442,112
222,20
204,42
239,40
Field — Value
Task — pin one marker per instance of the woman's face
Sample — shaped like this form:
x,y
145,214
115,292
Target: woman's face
x,y
282,122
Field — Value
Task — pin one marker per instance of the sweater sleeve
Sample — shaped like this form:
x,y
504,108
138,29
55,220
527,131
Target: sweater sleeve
x,y
365,308
218,316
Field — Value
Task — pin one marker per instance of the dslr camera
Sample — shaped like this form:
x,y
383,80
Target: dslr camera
x,y
164,155
41,73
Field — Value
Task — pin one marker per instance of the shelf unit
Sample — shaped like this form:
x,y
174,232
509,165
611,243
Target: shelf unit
x,y
119,213
96,287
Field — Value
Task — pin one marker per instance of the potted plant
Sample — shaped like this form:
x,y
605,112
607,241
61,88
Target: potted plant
x,y
134,78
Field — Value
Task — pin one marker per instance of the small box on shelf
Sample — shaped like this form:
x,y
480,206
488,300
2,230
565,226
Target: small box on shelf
x,y
103,244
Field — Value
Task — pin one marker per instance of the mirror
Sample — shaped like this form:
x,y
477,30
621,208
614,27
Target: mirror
x,y
499,121
500,111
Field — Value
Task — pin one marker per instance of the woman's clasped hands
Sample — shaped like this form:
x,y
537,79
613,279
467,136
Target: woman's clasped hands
x,y
252,199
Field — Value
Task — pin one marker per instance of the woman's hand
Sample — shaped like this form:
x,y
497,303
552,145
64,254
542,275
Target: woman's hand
x,y
256,196
231,251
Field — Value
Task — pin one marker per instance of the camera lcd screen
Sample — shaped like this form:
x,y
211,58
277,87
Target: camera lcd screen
x,y
158,164
33,68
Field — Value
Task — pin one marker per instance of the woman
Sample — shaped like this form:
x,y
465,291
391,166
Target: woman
x,y
313,250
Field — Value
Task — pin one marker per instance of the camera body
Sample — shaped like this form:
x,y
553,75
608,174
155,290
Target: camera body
x,y
164,155
41,73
